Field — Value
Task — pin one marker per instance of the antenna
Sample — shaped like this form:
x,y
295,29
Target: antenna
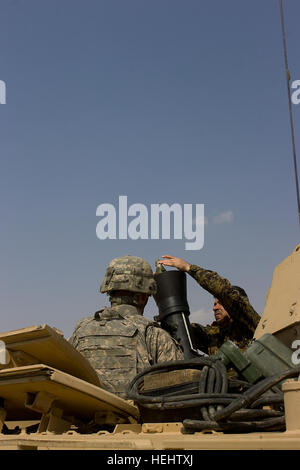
x,y
288,77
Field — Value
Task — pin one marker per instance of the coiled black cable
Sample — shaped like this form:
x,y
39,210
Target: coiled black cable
x,y
211,384
220,410
254,392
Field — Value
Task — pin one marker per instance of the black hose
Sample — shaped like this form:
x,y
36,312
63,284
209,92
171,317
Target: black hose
x,y
271,424
240,420
242,412
254,392
185,402
202,384
267,400
213,377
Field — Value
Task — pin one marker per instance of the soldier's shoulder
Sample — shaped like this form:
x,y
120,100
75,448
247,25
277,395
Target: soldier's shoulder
x,y
154,330
213,327
213,330
142,321
83,322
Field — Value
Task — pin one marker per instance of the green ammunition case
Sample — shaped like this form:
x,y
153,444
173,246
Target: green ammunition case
x,y
232,356
269,355
264,357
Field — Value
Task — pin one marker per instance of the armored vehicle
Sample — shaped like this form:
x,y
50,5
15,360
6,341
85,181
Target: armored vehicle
x,y
51,398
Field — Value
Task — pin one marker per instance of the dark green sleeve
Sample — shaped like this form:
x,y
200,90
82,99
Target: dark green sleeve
x,y
238,306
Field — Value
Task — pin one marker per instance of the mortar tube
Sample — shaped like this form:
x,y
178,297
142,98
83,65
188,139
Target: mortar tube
x,y
174,309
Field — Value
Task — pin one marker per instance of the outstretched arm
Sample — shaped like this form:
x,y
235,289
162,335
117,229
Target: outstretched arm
x,y
236,305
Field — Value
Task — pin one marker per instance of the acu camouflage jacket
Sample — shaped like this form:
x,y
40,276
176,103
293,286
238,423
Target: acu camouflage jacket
x,y
120,343
244,318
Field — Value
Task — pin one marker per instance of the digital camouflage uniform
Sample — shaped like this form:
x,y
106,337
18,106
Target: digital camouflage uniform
x,y
120,343
117,340
244,318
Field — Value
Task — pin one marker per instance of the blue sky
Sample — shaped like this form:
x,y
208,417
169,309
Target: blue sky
x,y
163,101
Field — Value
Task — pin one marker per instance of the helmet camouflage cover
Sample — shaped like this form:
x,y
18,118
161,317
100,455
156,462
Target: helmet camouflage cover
x,y
129,273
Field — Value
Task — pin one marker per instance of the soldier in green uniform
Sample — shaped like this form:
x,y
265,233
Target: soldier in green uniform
x,y
118,341
235,318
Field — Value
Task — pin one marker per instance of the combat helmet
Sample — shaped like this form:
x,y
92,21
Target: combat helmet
x,y
129,273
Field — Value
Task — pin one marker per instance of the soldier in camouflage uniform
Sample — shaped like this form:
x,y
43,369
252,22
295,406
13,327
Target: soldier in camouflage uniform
x,y
235,318
118,341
